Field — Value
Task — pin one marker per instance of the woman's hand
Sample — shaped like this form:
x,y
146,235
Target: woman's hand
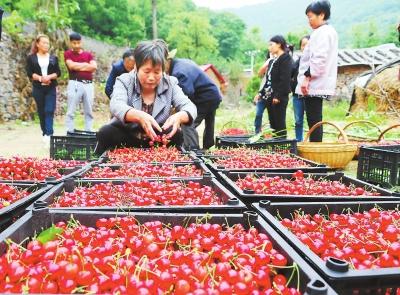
x,y
256,98
46,80
304,87
148,122
175,121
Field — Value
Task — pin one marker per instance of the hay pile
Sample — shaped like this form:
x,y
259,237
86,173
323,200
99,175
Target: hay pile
x,y
388,81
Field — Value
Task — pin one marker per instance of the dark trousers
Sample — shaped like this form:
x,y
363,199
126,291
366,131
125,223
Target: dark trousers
x,y
111,136
191,136
314,115
45,98
277,117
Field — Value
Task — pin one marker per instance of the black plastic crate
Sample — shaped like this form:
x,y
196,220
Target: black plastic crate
x,y
106,159
72,147
114,167
66,173
231,204
314,167
81,133
248,196
15,210
308,281
275,145
336,272
380,165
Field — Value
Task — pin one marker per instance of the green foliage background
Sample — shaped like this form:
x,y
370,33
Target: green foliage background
x,y
219,37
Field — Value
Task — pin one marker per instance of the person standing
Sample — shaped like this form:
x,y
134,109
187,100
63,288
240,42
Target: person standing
x,y
318,65
299,105
203,92
274,95
124,65
81,65
43,69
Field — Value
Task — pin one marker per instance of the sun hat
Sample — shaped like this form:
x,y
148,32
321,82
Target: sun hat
x,y
172,53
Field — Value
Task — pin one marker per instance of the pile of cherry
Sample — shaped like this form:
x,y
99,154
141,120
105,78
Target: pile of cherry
x,y
140,193
121,256
32,168
368,240
258,159
145,170
157,154
299,185
10,194
233,131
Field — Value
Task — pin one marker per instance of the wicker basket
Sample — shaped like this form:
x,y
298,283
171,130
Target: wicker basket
x,y
360,142
228,126
386,130
333,154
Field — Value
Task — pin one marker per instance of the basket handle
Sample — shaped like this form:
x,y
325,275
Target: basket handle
x,y
360,121
386,130
230,122
346,140
261,128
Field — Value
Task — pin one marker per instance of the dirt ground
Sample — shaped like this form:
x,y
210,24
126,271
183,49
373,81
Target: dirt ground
x,y
25,139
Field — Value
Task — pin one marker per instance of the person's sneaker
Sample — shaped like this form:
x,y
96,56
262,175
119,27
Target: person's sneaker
x,y
46,140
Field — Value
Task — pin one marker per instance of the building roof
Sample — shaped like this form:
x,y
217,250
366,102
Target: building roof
x,y
376,55
210,66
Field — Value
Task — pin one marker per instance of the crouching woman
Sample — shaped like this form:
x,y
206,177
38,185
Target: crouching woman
x,y
141,103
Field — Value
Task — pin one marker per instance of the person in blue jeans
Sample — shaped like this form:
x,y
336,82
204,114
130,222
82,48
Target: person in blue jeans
x,y
299,104
43,68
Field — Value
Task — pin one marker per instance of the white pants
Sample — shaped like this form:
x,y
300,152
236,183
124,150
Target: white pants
x,y
76,92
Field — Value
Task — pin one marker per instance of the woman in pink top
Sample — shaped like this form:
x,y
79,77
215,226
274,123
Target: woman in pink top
x,y
318,65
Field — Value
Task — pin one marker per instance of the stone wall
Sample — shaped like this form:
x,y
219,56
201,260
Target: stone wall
x,y
16,100
346,76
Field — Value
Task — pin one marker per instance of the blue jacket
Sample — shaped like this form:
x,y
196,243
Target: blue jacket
x,y
117,70
196,84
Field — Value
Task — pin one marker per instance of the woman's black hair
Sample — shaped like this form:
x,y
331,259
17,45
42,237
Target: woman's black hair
x,y
279,39
319,7
304,37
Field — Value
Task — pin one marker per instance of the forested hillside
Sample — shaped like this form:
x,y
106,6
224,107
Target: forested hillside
x,y
353,20
203,35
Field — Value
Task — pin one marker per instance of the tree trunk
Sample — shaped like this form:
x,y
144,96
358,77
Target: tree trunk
x,y
155,34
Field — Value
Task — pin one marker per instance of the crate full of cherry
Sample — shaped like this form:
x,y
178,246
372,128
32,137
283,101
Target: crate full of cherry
x,y
109,253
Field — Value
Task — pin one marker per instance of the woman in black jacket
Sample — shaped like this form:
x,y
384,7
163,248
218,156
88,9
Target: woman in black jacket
x,y
274,95
43,68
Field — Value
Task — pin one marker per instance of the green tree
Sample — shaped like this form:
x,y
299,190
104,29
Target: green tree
x,y
293,37
252,88
229,30
365,35
168,11
52,18
14,24
392,36
190,34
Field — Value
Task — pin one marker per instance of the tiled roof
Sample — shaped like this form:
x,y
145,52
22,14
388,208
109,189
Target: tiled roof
x,y
377,55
